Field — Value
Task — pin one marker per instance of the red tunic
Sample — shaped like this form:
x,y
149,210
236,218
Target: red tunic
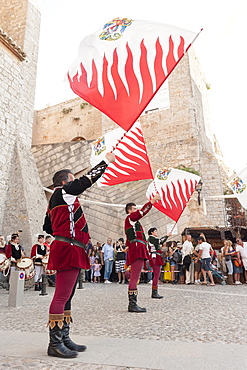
x,y
65,218
136,240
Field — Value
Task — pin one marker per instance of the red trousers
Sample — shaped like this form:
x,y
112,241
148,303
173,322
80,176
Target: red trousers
x,y
156,274
65,289
136,268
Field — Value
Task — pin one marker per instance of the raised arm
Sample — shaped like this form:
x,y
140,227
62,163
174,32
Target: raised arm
x,y
137,215
78,186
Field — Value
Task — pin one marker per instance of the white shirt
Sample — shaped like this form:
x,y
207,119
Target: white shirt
x,y
242,250
108,251
205,247
187,248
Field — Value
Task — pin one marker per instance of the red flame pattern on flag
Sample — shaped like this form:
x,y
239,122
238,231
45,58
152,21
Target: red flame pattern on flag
x,y
131,160
174,198
126,106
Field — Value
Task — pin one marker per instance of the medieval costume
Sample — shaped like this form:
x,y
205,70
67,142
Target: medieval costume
x,y
137,252
66,222
38,251
156,261
14,252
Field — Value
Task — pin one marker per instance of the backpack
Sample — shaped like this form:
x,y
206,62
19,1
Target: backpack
x,y
177,256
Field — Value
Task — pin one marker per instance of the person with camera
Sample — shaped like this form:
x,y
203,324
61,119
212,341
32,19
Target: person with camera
x,y
119,250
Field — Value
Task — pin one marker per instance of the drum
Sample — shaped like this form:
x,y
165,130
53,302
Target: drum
x,y
45,263
4,264
26,264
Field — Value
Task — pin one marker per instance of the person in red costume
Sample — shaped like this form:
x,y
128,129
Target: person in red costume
x,y
66,222
137,248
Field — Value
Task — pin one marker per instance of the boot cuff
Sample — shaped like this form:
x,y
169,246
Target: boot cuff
x,y
67,317
132,292
55,319
154,287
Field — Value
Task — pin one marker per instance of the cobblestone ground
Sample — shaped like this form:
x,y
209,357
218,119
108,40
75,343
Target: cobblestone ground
x,y
23,364
187,313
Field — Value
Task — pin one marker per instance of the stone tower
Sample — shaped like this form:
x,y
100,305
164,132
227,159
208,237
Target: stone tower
x,y
23,201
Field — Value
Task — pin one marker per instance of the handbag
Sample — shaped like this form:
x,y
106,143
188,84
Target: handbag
x,y
238,263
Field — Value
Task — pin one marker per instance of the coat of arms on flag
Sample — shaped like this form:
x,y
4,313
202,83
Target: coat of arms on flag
x,y
175,188
99,145
122,65
114,29
162,173
131,159
239,187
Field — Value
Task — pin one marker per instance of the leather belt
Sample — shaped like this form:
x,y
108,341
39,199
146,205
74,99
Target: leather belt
x,y
138,241
70,240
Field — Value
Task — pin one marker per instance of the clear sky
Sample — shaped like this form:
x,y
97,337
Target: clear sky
x,y
221,50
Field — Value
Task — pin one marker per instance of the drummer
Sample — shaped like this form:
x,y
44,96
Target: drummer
x,y
14,251
2,244
38,251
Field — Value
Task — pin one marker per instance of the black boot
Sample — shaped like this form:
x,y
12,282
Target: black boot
x,y
56,346
155,294
66,339
37,287
133,307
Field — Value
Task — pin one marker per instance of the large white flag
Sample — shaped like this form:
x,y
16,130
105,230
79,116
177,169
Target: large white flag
x,y
239,187
175,188
122,65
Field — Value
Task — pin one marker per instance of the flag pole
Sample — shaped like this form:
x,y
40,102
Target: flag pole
x,y
194,39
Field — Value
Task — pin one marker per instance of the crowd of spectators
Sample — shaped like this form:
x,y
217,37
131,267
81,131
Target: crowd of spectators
x,y
190,262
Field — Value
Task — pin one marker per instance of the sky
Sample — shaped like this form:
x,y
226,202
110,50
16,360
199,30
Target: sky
x,y
220,48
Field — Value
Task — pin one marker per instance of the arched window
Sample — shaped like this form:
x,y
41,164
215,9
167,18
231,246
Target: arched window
x,y
78,138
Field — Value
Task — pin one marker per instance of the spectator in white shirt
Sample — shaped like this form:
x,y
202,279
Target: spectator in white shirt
x,y
205,251
241,247
187,251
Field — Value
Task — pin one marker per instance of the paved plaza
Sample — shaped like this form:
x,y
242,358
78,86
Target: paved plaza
x,y
193,327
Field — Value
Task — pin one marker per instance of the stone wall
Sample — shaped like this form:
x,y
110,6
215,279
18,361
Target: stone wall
x,y
66,121
22,197
103,220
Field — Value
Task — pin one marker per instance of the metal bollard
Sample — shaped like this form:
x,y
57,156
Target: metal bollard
x,y
16,290
43,285
80,280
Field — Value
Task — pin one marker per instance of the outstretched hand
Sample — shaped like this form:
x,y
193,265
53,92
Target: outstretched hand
x,y
110,157
156,197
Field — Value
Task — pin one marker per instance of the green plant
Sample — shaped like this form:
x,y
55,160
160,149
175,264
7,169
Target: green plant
x,y
66,110
83,105
188,169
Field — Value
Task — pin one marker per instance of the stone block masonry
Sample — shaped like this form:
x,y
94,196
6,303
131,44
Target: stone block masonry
x,y
22,196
